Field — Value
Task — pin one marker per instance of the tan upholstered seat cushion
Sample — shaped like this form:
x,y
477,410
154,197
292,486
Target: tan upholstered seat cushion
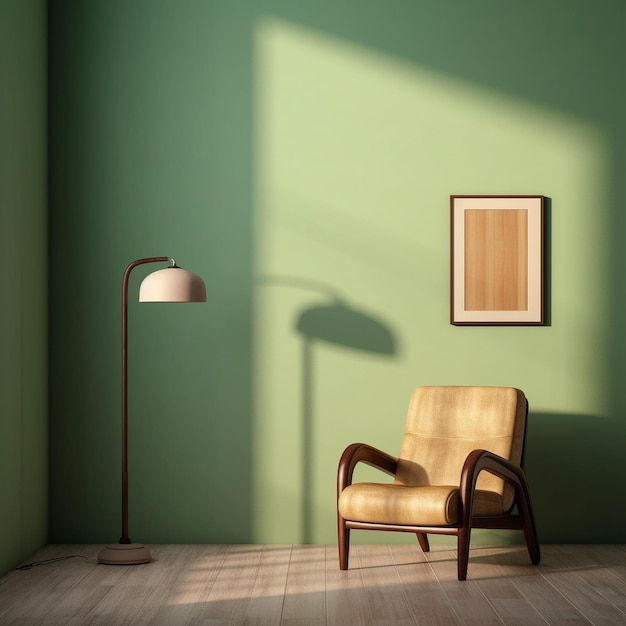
x,y
420,506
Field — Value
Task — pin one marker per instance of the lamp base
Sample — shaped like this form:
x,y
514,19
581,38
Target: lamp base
x,y
124,554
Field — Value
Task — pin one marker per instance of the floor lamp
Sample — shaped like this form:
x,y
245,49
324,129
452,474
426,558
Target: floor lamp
x,y
171,284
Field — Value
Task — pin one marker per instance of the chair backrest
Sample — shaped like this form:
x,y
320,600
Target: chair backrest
x,y
444,424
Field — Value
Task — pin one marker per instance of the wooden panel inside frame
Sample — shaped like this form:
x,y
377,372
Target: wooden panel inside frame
x,y
496,260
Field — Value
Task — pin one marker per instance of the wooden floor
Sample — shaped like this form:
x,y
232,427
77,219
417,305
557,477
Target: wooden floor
x,y
289,585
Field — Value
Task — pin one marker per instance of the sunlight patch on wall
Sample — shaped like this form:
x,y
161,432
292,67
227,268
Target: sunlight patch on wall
x,y
356,156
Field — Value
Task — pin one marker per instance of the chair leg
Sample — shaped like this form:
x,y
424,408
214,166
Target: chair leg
x,y
528,521
423,540
463,545
532,545
343,541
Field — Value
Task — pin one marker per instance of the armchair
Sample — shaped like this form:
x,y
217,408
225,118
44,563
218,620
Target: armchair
x,y
459,467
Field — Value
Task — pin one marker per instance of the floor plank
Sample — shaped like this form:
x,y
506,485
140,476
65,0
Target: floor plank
x,y
423,591
305,591
546,600
469,604
578,579
386,600
346,598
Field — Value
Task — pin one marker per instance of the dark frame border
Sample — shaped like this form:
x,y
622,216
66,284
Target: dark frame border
x,y
534,315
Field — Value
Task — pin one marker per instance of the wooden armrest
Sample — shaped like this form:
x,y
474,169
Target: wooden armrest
x,y
362,453
480,460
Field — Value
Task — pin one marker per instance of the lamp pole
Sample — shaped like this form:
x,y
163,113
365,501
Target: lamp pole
x,y
125,539
182,286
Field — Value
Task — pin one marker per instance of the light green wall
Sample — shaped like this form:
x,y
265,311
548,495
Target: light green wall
x,y
23,281
300,156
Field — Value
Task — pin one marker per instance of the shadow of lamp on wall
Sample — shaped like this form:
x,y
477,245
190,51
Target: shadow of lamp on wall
x,y
170,284
339,324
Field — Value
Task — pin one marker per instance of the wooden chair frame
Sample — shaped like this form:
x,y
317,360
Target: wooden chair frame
x,y
476,462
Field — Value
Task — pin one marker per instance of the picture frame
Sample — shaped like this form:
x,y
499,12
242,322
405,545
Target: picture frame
x,y
496,265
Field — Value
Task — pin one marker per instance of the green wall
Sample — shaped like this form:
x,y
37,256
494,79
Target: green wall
x,y
300,156
23,281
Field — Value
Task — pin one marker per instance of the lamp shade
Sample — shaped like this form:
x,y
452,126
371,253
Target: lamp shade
x,y
172,284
